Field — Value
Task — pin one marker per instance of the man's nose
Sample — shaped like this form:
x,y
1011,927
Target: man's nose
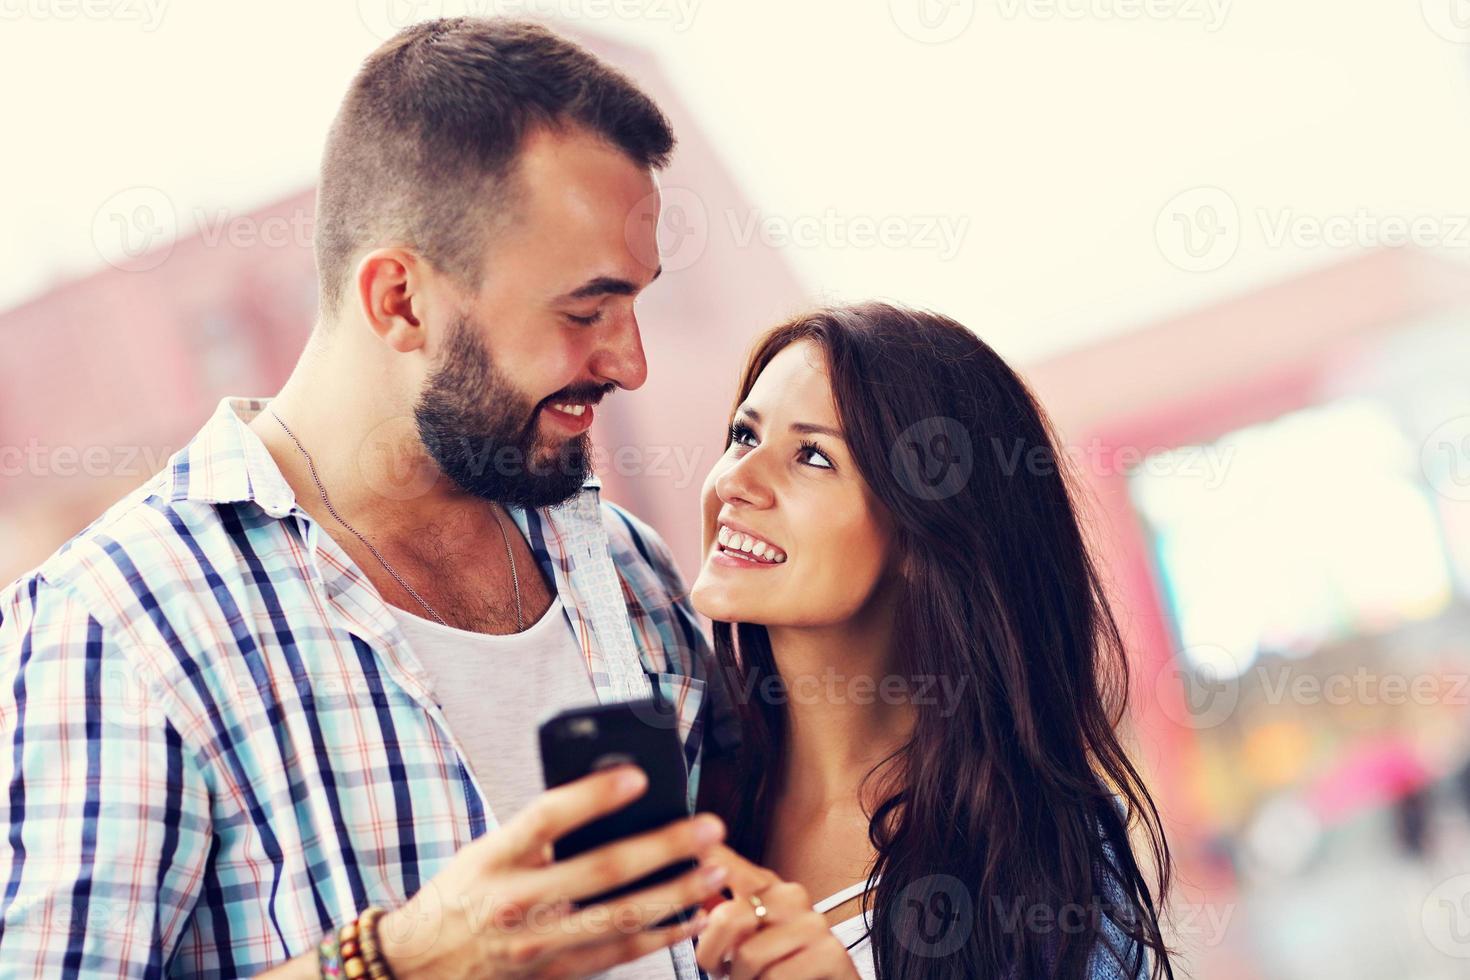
x,y
620,360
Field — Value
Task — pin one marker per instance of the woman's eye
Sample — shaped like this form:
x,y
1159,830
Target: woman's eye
x,y
740,433
812,454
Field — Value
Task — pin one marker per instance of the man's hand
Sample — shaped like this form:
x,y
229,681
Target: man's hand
x,y
503,909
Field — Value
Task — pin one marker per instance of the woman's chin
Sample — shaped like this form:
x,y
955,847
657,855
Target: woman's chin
x,y
720,601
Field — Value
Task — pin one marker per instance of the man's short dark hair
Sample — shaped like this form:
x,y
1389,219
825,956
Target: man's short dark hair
x,y
423,146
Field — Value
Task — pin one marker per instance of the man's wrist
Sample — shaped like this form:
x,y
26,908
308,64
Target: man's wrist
x,y
403,962
354,950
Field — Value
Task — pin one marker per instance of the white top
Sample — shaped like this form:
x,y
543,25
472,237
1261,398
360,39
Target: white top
x,y
853,932
494,691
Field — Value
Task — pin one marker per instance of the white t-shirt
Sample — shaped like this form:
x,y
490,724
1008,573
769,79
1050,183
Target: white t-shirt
x,y
495,690
853,932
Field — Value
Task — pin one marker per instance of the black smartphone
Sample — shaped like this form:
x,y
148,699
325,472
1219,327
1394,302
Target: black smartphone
x,y
581,741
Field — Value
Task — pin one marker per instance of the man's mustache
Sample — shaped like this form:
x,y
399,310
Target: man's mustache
x,y
589,394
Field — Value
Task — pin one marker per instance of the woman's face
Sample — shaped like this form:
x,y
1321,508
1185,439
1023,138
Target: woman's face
x,y
792,535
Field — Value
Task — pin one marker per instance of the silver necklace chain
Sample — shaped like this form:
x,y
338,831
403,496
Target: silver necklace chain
x,y
515,581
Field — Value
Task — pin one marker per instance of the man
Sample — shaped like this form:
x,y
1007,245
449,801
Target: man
x,y
299,672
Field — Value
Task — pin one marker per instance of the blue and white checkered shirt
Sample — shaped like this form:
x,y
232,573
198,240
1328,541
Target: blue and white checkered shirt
x,y
216,743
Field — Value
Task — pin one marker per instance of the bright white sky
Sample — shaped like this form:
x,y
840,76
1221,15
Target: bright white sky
x,y
1048,136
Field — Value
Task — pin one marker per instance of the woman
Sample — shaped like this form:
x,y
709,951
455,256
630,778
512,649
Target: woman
x,y
927,671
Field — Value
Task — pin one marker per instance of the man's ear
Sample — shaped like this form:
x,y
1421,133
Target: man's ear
x,y
391,294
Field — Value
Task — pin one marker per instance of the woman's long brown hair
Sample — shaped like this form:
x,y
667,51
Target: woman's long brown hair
x,y
1003,836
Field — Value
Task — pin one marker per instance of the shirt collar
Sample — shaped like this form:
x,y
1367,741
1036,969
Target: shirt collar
x,y
226,462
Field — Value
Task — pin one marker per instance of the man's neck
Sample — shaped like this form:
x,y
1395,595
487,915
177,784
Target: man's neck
x,y
364,451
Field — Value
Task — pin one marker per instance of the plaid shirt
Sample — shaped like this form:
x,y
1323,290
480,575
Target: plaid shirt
x,y
217,744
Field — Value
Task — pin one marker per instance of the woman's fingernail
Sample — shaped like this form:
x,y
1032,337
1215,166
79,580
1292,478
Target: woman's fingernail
x,y
696,925
708,829
714,876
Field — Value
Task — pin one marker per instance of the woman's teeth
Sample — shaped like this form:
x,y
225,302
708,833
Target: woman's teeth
x,y
570,409
752,548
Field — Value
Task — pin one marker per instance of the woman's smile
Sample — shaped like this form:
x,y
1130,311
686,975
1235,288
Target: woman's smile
x,y
736,546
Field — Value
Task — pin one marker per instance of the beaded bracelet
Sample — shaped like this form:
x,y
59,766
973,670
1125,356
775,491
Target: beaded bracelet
x,y
329,956
353,951
372,951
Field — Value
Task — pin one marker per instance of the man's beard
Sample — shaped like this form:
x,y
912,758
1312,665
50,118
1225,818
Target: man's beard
x,y
481,430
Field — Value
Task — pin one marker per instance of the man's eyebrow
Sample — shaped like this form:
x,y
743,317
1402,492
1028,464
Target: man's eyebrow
x,y
805,428
609,286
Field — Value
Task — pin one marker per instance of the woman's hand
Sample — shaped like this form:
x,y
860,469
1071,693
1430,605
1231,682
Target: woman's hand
x,y
743,877
795,943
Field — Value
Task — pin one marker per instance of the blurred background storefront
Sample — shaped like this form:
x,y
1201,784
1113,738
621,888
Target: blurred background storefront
x,y
1227,244
1282,498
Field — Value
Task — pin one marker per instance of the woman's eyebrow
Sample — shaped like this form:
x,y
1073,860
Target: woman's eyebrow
x,y
805,428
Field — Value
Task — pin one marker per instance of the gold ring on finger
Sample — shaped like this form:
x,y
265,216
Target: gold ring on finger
x,y
760,910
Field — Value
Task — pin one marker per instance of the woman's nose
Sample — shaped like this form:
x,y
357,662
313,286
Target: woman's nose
x,y
744,482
